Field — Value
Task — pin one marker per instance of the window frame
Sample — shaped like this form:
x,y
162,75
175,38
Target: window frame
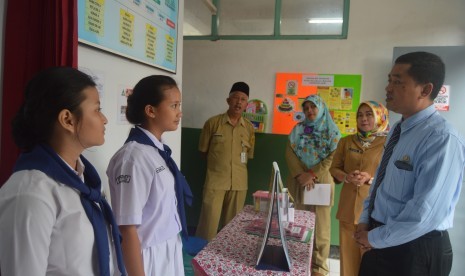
x,y
276,30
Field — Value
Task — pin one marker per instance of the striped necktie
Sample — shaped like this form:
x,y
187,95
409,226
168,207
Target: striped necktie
x,y
382,166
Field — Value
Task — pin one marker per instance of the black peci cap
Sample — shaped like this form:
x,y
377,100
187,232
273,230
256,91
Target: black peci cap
x,y
240,86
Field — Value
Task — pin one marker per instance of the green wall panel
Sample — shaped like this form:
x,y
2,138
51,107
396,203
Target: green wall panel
x,y
268,148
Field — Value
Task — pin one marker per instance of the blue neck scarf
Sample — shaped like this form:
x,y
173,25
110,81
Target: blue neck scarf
x,y
182,189
46,160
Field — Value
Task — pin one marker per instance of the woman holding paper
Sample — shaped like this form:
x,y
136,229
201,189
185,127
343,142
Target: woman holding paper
x,y
354,164
309,154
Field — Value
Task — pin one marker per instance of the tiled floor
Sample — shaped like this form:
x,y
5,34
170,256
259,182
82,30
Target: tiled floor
x,y
333,267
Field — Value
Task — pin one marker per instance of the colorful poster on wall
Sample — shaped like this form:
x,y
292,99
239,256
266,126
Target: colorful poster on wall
x,y
142,30
123,92
441,102
341,93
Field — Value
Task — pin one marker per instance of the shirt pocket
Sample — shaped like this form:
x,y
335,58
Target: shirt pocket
x,y
402,184
217,144
217,138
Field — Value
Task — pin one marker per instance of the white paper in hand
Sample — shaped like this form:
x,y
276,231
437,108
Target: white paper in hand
x,y
320,195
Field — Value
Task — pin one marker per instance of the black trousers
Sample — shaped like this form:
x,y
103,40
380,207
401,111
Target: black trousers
x,y
430,254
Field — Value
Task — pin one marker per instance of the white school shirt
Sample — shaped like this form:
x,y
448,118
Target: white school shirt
x,y
44,229
142,192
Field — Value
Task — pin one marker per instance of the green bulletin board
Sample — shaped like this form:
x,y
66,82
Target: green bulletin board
x,y
341,94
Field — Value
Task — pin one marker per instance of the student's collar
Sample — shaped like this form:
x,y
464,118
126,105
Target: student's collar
x,y
152,137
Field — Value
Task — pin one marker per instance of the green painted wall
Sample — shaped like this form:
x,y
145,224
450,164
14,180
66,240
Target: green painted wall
x,y
268,148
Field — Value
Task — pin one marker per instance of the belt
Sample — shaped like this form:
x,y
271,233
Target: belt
x,y
435,233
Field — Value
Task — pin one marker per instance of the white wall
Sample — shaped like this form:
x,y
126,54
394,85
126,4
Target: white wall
x,y
375,27
118,71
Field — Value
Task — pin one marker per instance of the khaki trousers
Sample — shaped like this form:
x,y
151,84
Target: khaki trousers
x,y
216,205
351,253
322,236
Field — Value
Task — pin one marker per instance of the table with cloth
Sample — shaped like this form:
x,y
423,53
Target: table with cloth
x,y
234,252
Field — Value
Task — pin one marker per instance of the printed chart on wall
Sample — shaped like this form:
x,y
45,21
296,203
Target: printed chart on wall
x,y
341,93
142,30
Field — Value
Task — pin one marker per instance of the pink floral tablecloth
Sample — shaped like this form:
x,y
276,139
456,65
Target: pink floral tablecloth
x,y
234,252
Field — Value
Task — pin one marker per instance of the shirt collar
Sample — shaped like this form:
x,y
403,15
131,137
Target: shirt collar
x,y
226,119
152,137
79,170
418,117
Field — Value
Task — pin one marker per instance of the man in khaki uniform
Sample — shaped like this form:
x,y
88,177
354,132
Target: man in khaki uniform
x,y
227,140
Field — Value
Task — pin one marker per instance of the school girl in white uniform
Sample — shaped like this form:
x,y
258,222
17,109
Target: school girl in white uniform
x,y
53,219
147,190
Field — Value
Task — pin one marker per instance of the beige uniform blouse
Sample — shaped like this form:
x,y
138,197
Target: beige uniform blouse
x,y
296,167
350,156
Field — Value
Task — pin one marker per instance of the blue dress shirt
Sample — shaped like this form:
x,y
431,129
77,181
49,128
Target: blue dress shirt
x,y
422,183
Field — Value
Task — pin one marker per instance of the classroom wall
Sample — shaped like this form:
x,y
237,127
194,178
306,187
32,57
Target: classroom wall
x,y
375,28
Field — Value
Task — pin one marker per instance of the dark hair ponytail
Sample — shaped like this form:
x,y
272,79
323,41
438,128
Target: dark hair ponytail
x,y
45,96
148,91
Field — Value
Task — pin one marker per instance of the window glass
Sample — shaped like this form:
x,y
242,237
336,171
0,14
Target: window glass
x,y
255,19
197,18
312,17
246,17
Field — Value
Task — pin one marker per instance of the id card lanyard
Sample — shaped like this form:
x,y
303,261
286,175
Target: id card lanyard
x,y
243,154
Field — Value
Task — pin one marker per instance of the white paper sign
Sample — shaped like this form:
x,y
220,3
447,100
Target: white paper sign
x,y
320,195
317,80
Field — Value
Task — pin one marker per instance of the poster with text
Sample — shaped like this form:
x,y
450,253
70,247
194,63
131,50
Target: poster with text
x,y
123,92
142,30
341,93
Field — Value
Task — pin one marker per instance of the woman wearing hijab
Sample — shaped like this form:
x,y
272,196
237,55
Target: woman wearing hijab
x,y
309,154
53,217
354,164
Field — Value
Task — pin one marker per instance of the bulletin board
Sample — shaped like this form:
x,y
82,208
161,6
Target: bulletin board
x,y
141,30
341,93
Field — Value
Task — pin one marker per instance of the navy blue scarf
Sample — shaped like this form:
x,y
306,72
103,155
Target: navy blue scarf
x,y
183,191
46,160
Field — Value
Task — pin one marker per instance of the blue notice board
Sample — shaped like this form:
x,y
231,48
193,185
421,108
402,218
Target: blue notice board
x,y
142,30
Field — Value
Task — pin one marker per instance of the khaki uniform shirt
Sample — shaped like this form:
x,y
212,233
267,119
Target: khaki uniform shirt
x,y
296,167
351,156
224,145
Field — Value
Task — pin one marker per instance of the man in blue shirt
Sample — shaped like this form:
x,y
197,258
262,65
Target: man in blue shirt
x,y
413,196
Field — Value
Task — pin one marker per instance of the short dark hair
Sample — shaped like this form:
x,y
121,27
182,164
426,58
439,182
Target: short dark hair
x,y
425,68
148,91
46,95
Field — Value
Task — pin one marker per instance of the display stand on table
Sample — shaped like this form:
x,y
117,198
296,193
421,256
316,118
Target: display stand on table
x,y
274,257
